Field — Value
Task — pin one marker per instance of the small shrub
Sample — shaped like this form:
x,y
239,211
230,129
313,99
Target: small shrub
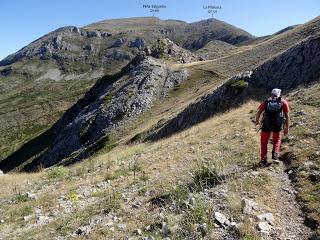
x,y
109,147
239,84
158,49
138,137
73,197
180,193
142,191
112,201
58,172
206,175
120,172
135,167
247,231
176,87
22,198
199,214
251,237
26,211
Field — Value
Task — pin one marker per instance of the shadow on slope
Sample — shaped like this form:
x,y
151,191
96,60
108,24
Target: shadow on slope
x,y
29,154
297,65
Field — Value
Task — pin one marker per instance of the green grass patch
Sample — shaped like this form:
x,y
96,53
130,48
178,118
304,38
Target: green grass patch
x,y
58,172
205,174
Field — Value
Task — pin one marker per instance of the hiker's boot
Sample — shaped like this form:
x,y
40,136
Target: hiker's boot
x,y
275,155
264,163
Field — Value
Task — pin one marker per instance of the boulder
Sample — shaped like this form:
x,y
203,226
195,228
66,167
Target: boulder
x,y
119,42
315,176
137,232
220,218
248,206
264,227
88,47
41,220
138,43
268,217
85,230
32,196
93,34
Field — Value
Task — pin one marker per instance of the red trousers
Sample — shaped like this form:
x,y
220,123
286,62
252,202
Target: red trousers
x,y
276,136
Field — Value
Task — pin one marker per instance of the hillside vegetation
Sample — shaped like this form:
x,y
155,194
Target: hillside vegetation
x,y
158,142
45,78
210,166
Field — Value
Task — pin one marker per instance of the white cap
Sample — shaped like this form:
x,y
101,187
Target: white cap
x,y
276,92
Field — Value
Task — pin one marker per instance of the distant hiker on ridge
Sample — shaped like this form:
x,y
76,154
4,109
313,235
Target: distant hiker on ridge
x,y
275,118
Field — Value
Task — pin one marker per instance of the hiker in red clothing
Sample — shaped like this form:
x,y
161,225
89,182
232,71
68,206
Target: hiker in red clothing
x,y
275,118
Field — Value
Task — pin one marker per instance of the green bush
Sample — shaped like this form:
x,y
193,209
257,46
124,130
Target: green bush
x,y
199,214
57,172
22,198
206,174
239,84
180,193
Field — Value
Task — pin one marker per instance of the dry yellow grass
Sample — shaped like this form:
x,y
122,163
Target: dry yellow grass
x,y
226,140
164,162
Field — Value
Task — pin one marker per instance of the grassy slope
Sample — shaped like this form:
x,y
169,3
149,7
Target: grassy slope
x,y
304,142
164,163
172,156
29,106
145,171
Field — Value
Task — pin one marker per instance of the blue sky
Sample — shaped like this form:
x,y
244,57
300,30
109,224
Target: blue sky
x,y
22,21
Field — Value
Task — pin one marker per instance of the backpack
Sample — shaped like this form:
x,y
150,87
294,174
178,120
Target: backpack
x,y
274,119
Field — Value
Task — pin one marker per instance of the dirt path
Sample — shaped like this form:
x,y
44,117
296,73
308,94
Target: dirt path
x,y
289,221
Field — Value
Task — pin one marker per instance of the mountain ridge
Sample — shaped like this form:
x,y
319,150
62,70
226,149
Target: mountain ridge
x,y
59,68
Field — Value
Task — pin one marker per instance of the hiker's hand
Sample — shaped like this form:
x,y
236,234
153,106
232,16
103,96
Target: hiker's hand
x,y
286,131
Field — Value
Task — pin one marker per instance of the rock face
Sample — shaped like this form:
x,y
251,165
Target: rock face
x,y
297,65
112,102
165,48
58,45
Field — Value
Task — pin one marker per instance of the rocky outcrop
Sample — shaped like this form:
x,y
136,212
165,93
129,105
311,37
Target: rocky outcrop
x,y
61,44
109,105
6,71
298,65
132,93
166,49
